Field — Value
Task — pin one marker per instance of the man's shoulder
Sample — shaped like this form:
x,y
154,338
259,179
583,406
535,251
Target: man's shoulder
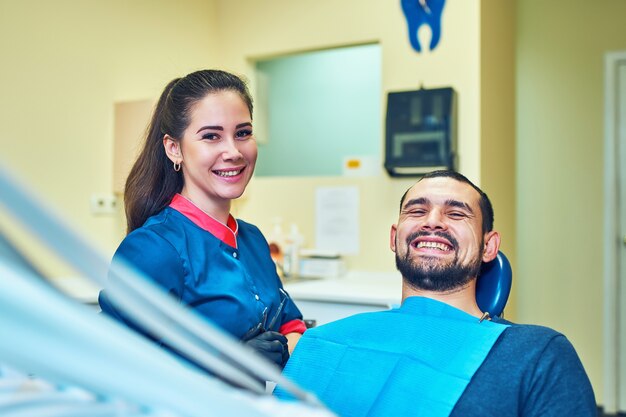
x,y
533,345
528,328
528,333
532,370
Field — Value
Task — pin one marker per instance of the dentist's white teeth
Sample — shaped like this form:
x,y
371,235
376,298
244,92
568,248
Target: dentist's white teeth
x,y
433,245
227,173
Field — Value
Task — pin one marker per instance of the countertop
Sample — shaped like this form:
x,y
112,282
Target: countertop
x,y
80,289
356,287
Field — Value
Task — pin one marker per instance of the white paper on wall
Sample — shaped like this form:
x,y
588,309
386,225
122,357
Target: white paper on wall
x,y
337,220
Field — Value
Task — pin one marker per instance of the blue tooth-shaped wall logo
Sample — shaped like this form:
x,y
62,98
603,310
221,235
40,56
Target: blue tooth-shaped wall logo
x,y
423,12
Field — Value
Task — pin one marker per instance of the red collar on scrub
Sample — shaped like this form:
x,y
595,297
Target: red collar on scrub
x,y
227,233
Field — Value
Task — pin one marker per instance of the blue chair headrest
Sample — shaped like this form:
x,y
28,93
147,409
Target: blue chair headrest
x,y
494,285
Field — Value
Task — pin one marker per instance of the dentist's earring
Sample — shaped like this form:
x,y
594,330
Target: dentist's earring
x,y
176,166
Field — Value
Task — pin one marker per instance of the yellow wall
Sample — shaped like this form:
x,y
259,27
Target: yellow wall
x,y
64,64
497,124
560,110
283,26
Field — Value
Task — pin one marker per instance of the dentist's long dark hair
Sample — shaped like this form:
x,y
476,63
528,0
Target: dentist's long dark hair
x,y
152,182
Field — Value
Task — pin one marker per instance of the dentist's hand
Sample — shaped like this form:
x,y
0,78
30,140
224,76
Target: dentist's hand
x,y
271,345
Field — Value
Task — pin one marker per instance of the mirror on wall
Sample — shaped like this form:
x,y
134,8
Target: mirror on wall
x,y
315,109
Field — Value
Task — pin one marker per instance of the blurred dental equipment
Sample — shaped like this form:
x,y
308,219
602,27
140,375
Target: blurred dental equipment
x,y
48,336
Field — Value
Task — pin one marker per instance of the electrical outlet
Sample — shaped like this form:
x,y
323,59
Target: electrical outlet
x,y
102,203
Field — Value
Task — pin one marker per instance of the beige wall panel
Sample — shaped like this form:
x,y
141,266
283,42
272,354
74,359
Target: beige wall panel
x,y
131,120
560,140
497,124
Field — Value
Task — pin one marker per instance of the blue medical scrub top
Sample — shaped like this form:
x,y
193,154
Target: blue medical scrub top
x,y
223,272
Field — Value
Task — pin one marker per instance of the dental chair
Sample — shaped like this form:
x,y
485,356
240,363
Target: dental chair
x,y
494,285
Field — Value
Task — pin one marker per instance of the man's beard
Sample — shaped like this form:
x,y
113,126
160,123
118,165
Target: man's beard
x,y
432,276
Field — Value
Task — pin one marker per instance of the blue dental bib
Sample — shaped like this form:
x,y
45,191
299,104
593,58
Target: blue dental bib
x,y
415,360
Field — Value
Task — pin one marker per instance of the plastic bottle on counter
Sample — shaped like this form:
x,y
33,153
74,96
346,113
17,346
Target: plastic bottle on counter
x,y
293,244
276,241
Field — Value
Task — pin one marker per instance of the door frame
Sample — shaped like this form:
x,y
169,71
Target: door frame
x,y
612,307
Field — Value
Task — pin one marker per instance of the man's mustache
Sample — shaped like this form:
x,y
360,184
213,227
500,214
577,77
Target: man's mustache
x,y
445,235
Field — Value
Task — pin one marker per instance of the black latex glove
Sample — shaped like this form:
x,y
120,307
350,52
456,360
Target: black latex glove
x,y
271,345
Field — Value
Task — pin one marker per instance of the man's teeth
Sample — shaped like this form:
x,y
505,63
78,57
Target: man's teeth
x,y
227,173
433,245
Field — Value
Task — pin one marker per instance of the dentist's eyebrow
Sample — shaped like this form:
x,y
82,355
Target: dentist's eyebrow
x,y
459,204
210,128
239,126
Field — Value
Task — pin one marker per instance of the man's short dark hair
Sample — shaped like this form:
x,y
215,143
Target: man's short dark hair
x,y
485,205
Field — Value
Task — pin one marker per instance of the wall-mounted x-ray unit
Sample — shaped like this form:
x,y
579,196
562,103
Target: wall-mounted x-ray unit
x,y
420,131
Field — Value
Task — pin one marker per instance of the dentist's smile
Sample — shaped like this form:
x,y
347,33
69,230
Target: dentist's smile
x,y
226,173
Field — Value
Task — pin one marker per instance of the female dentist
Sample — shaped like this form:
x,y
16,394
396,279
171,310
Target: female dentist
x,y
199,155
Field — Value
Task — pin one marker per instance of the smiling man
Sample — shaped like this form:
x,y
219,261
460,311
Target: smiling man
x,y
444,234
436,355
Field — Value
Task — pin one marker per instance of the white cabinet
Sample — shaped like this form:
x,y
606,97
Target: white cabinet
x,y
327,300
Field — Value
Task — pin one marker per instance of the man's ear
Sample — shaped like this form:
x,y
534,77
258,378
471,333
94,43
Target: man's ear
x,y
392,237
172,149
492,245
